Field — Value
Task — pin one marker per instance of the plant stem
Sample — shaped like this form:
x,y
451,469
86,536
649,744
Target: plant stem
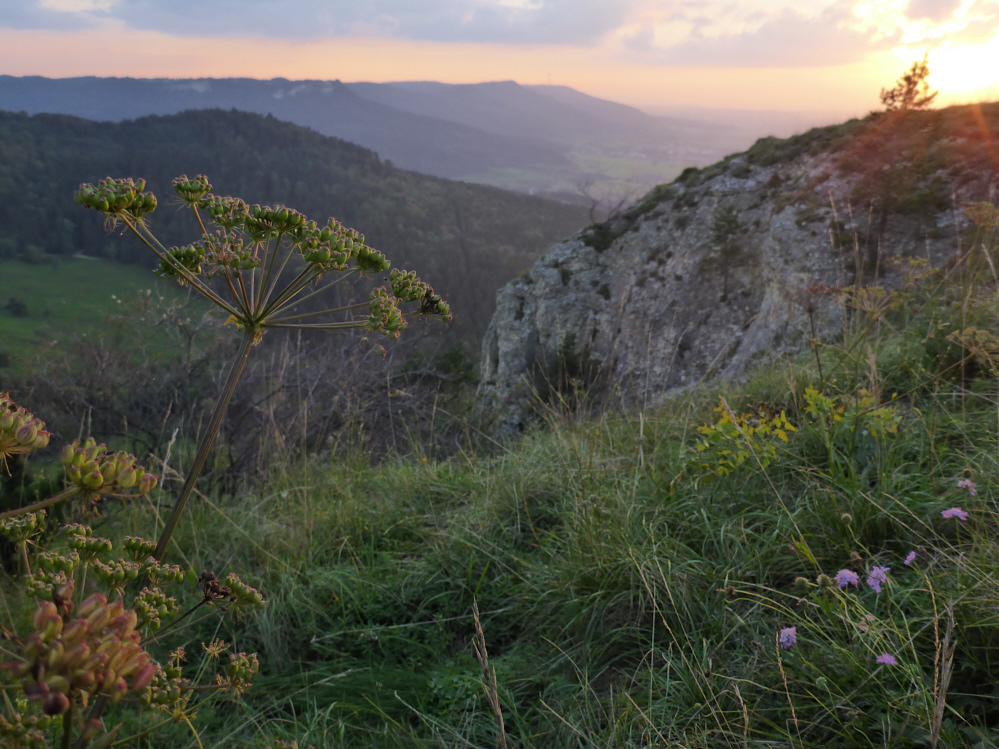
x,y
67,726
175,622
64,494
130,740
815,348
183,273
23,546
235,370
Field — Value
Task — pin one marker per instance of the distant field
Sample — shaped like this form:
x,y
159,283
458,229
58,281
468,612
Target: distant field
x,y
610,177
58,302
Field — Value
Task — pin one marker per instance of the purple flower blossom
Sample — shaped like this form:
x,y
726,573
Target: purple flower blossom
x,y
969,485
910,558
955,512
887,659
847,577
788,636
877,577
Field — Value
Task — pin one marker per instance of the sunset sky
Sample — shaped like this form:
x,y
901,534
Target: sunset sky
x,y
829,55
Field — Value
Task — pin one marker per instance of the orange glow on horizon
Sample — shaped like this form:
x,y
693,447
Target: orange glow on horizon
x,y
117,51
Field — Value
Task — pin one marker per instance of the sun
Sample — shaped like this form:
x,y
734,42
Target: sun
x,y
966,71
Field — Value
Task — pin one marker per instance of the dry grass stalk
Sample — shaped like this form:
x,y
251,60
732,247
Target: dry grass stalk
x,y
489,685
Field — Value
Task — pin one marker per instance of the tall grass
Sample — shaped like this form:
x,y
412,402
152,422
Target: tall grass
x,y
681,576
632,587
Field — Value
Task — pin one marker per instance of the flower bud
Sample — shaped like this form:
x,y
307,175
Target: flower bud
x,y
92,479
84,680
108,471
144,676
57,683
45,613
127,478
56,703
94,602
26,434
118,688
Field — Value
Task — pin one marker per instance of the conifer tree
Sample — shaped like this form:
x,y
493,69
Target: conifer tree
x,y
911,91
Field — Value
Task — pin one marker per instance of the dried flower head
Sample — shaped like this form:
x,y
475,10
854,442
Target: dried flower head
x,y
213,590
215,648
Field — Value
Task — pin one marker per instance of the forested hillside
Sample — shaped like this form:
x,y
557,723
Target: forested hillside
x,y
467,240
534,139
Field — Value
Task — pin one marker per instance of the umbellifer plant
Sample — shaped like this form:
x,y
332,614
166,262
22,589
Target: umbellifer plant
x,y
267,267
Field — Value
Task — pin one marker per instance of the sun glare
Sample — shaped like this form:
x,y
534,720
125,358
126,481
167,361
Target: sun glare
x,y
965,70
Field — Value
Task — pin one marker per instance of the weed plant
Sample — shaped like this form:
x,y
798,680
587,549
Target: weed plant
x,y
82,650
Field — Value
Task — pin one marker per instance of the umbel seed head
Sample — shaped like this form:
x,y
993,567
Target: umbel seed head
x,y
20,431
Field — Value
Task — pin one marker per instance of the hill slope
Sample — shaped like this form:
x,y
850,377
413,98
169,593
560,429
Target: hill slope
x,y
534,139
425,144
460,237
731,265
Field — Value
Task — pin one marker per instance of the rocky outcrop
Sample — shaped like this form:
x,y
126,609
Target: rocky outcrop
x,y
712,274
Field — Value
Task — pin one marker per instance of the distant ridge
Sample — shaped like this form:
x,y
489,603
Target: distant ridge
x,y
416,142
531,138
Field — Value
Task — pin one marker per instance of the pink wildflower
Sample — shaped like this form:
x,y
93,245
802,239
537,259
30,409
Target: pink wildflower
x,y
847,577
788,636
877,577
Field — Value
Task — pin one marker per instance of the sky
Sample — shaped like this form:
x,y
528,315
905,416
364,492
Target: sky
x,y
800,55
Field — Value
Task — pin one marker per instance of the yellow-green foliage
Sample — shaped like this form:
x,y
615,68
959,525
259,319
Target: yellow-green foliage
x,y
838,415
728,443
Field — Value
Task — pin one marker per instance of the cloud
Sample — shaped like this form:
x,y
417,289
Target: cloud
x,y
780,38
579,22
49,15
716,33
76,6
931,10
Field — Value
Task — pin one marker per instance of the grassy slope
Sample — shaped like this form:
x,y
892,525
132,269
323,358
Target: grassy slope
x,y
632,586
72,297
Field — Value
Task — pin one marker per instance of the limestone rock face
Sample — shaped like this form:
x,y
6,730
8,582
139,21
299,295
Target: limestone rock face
x,y
713,273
